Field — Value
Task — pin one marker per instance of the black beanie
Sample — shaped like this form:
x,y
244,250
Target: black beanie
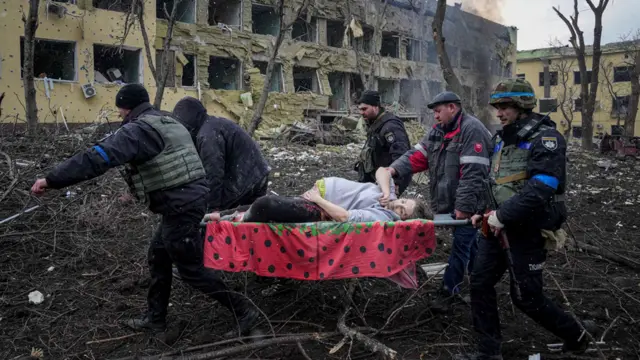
x,y
370,97
131,95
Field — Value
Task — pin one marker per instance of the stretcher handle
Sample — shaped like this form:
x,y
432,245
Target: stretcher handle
x,y
451,222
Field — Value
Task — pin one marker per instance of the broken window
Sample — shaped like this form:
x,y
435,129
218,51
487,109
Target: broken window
x,y
185,12
116,64
577,77
413,49
577,104
171,77
303,30
228,12
620,105
389,45
432,53
521,76
264,20
466,60
113,5
53,59
576,132
305,79
335,33
224,73
411,94
387,90
553,78
356,87
435,88
276,75
548,105
621,73
452,51
338,101
364,42
189,70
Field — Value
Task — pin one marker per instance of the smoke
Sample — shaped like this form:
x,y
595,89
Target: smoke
x,y
488,9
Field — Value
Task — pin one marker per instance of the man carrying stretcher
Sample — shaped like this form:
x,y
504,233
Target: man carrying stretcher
x,y
333,199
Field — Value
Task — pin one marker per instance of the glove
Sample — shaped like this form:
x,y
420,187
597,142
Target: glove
x,y
494,222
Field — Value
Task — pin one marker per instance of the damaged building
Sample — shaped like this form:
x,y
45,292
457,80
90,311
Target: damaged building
x,y
220,50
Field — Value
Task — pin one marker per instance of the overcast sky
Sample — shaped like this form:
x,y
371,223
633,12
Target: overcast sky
x,y
538,24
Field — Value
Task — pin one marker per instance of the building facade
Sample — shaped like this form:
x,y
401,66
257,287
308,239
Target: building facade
x,y
220,49
563,86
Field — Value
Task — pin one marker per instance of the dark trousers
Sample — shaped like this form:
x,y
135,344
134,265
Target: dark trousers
x,y
490,265
179,240
282,209
461,259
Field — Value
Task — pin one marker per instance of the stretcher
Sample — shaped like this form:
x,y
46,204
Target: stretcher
x,y
324,250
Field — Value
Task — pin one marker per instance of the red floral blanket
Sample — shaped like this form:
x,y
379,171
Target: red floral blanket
x,y
320,251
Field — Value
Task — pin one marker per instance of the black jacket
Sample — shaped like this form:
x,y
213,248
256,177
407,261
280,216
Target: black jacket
x,y
135,143
390,141
232,160
534,205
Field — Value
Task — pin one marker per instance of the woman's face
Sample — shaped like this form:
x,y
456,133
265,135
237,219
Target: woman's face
x,y
403,207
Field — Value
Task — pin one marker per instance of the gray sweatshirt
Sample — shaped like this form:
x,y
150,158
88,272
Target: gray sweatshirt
x,y
360,199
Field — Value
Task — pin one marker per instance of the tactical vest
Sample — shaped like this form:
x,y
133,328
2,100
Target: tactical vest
x,y
177,164
509,167
366,159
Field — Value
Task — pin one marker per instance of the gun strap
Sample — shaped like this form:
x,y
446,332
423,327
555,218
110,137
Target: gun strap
x,y
512,178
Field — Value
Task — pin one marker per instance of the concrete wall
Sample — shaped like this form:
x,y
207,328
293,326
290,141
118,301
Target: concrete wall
x,y
86,25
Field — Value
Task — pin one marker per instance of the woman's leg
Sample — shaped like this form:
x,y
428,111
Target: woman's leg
x,y
281,209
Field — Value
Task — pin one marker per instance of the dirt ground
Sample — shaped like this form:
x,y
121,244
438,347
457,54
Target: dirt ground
x,y
86,252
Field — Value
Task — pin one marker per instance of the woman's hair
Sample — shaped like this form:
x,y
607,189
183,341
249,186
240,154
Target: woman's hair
x,y
421,210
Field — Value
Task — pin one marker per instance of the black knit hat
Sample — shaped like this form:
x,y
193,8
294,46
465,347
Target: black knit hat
x,y
370,97
131,95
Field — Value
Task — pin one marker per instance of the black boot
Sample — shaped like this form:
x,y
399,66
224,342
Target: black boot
x,y
580,345
445,301
476,356
144,323
246,318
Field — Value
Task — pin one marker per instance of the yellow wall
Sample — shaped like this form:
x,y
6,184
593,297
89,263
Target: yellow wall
x,y
602,115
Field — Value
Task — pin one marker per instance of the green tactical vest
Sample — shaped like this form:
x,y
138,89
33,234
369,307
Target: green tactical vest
x,y
509,167
177,164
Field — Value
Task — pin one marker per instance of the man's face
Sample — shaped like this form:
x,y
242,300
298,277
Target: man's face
x,y
368,112
123,112
507,113
403,207
444,113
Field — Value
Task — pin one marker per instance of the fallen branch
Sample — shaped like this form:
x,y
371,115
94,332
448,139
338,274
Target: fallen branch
x,y
608,254
241,348
302,351
112,339
371,344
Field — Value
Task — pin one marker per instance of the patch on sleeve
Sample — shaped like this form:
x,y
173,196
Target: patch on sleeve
x,y
550,142
390,137
477,147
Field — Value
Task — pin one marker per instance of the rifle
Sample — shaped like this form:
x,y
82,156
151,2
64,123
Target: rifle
x,y
502,236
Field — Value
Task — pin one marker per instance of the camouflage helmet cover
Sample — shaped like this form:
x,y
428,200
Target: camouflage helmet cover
x,y
517,91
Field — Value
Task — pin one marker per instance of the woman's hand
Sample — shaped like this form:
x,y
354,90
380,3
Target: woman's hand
x,y
384,199
312,195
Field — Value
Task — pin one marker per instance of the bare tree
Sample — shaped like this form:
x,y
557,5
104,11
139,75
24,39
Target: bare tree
x,y
160,72
565,92
30,26
287,18
632,55
588,91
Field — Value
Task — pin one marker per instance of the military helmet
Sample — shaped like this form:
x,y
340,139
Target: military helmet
x,y
517,91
